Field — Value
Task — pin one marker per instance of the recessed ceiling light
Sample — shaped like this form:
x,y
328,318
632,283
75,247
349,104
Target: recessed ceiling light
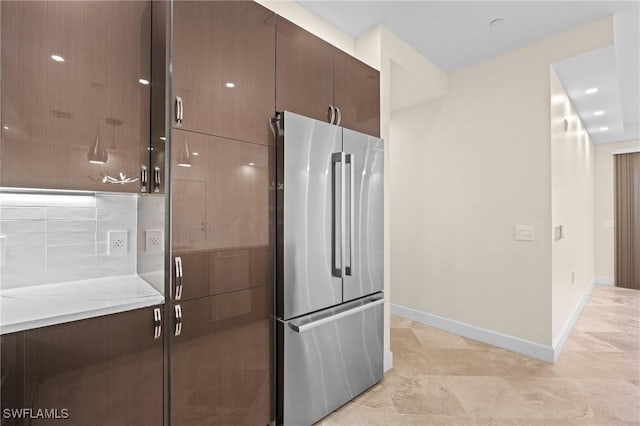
x,y
6,127
143,81
230,84
252,164
496,22
162,138
591,90
597,113
57,58
195,154
604,129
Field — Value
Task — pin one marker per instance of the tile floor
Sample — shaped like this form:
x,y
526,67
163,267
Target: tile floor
x,y
440,378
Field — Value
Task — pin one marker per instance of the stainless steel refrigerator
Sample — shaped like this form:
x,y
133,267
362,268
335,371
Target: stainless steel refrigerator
x,y
329,300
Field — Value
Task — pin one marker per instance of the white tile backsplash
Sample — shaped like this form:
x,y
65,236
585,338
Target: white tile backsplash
x,y
48,238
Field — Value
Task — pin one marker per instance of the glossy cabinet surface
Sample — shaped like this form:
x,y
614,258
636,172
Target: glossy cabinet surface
x,y
311,75
224,67
105,370
357,94
304,71
71,73
221,363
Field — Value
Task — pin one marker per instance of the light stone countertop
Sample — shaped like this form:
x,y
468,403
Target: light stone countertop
x,y
39,306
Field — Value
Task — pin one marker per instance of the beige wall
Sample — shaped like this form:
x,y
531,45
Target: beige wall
x,y
604,207
466,168
572,192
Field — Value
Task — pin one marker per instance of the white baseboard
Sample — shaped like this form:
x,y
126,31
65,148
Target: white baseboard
x,y
495,338
388,361
568,326
604,280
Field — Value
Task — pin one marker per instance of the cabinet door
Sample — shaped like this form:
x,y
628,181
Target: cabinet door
x,y
221,362
221,209
357,93
304,72
72,75
223,67
105,370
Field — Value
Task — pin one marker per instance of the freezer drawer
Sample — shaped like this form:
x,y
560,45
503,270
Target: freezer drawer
x,y
329,357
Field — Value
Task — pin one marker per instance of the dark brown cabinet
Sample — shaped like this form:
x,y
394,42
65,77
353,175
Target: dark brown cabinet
x,y
75,93
106,370
221,360
224,68
312,75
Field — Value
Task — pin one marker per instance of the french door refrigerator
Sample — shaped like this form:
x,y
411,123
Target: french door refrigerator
x,y
329,300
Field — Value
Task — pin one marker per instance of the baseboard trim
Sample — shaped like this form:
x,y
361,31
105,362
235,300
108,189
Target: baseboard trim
x,y
388,361
604,280
495,338
571,321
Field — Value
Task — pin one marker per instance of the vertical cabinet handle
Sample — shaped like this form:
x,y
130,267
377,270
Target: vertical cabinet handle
x,y
157,323
178,268
338,116
144,179
332,114
178,312
156,179
179,110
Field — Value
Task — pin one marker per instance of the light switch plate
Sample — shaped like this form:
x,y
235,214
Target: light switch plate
x,y
525,233
153,241
118,243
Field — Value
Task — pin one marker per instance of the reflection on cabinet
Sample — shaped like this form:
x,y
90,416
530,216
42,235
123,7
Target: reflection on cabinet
x,y
72,92
221,360
311,75
223,67
220,192
304,74
105,370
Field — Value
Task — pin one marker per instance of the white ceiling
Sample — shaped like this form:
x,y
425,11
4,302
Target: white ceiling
x,y
456,34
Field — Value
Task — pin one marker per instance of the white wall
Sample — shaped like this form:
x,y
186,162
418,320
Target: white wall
x,y
466,168
572,198
604,209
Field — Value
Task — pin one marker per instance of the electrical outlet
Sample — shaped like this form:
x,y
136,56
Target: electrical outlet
x,y
154,241
118,243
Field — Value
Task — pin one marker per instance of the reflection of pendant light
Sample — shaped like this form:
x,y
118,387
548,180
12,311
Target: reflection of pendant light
x,y
184,159
97,154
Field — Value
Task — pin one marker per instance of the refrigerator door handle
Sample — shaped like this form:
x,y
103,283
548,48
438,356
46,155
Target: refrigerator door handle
x,y
337,157
179,277
309,326
351,160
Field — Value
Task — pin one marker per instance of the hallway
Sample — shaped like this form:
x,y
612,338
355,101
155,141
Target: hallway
x,y
444,379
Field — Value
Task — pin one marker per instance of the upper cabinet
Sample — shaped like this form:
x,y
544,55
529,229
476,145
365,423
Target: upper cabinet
x,y
313,78
226,89
356,92
75,94
304,72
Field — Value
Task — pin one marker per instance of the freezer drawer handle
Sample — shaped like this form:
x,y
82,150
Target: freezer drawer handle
x,y
179,277
157,323
306,327
178,330
179,110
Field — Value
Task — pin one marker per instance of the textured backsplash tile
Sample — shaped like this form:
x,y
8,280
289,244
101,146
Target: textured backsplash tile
x,y
48,238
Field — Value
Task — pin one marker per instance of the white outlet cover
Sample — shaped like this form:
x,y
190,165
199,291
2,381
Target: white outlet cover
x,y
118,243
525,232
153,241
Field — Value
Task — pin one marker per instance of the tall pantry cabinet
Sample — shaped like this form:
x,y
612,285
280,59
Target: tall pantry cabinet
x,y
223,85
